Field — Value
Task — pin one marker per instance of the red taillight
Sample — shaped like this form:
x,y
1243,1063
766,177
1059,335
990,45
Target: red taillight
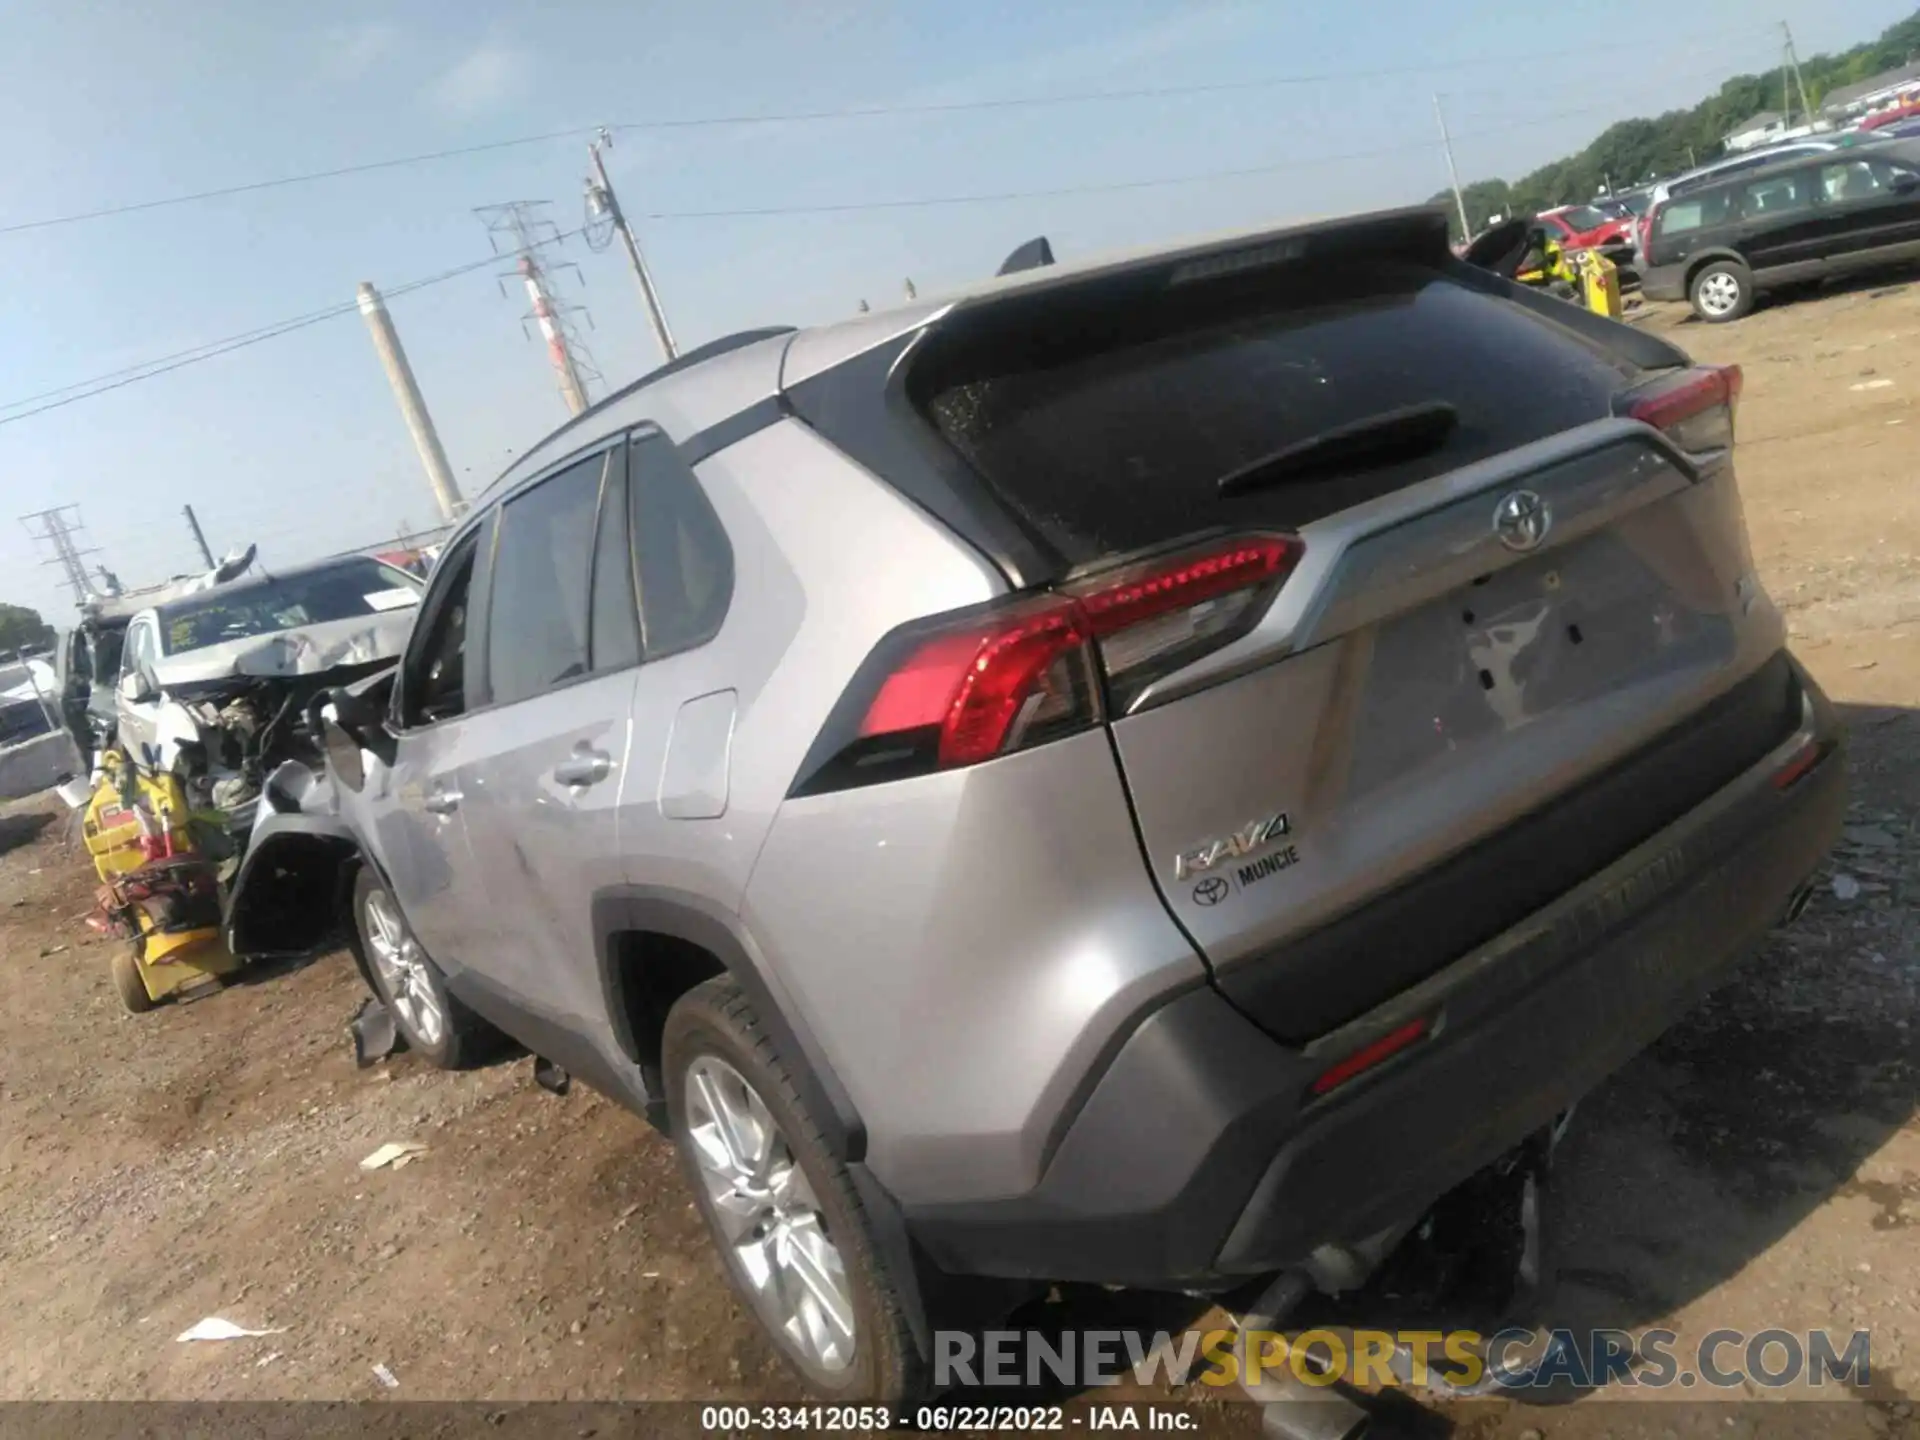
x,y
1152,618
1369,1056
1003,677
1695,408
986,684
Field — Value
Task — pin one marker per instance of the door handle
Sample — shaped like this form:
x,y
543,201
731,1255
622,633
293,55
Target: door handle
x,y
443,802
584,767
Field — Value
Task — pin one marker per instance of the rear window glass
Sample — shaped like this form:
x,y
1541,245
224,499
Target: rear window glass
x,y
1584,217
1108,426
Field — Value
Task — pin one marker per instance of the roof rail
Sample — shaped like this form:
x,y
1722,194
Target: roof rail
x,y
697,356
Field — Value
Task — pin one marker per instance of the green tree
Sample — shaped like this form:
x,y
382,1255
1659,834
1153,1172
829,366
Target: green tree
x,y
23,629
1633,152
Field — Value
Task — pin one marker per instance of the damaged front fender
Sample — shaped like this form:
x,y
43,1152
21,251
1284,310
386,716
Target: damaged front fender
x,y
289,898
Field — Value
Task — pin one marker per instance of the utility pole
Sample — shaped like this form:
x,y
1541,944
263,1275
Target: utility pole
x,y
527,231
412,408
1793,63
1453,174
603,203
193,524
61,534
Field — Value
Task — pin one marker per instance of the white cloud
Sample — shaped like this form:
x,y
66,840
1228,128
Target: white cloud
x,y
348,51
480,80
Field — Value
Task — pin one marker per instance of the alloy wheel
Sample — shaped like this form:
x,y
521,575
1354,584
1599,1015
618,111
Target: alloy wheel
x,y
1719,293
768,1215
403,971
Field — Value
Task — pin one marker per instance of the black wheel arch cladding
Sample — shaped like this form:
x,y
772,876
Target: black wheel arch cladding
x,y
623,912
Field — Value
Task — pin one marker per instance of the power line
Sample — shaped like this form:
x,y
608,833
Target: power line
x,y
696,122
304,178
1150,92
992,197
115,380
921,202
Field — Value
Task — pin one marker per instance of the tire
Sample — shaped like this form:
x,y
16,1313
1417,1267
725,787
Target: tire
x,y
1722,291
716,1056
411,986
127,983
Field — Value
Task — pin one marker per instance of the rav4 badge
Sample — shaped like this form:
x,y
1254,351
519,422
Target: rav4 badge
x,y
1244,841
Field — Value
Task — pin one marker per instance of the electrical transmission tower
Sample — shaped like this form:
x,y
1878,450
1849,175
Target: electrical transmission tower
x,y
60,530
518,229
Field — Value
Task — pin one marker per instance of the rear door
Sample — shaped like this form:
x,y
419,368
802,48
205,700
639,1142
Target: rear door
x,y
549,753
1782,227
1477,629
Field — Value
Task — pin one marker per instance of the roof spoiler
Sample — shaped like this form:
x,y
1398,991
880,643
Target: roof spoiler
x,y
1030,256
1417,235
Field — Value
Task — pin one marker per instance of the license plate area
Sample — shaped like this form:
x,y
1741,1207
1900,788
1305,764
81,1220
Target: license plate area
x,y
1568,629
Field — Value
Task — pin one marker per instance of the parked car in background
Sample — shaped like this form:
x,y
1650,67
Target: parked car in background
x,y
1628,205
1904,129
1722,244
1729,165
1893,115
1587,227
1146,772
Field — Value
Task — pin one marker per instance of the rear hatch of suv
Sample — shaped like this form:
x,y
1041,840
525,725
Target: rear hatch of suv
x,y
1432,601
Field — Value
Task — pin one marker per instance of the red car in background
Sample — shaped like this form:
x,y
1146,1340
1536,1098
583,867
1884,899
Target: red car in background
x,y
1582,227
1905,110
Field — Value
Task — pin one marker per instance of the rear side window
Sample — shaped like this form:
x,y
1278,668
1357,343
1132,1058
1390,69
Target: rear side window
x,y
614,638
1108,427
537,604
1699,211
686,564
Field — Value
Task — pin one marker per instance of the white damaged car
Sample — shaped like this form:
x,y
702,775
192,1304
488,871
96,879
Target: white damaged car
x,y
215,686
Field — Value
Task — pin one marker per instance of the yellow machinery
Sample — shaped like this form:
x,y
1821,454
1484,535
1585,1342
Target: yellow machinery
x,y
159,889
1586,277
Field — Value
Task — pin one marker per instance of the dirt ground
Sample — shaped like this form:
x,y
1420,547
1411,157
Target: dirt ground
x,y
1760,1167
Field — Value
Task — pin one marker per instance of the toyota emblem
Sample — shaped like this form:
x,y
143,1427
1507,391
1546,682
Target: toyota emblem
x,y
1210,891
1522,520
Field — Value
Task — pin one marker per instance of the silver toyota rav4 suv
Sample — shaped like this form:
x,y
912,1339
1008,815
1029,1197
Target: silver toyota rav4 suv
x,y
1136,774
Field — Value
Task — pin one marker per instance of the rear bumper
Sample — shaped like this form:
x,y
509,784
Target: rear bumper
x,y
1664,282
1200,1155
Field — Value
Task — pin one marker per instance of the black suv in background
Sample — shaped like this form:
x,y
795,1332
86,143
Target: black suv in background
x,y
1721,245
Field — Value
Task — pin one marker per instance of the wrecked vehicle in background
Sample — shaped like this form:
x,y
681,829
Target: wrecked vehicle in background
x,y
214,686
87,657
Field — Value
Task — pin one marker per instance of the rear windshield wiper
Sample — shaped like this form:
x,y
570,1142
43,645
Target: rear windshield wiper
x,y
1381,439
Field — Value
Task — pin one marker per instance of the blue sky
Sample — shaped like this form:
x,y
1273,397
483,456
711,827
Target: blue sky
x,y
297,444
